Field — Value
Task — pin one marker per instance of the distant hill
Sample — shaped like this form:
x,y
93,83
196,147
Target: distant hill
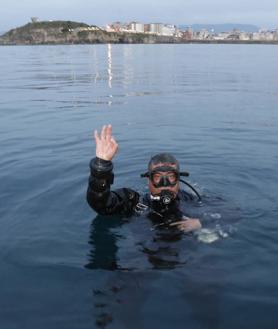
x,y
222,27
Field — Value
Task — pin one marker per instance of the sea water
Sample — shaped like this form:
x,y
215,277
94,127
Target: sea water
x,y
215,108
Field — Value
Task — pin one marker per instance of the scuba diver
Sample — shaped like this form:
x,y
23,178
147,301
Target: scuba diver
x,y
162,203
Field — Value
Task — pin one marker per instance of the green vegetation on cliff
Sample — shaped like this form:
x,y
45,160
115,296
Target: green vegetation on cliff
x,y
51,25
41,32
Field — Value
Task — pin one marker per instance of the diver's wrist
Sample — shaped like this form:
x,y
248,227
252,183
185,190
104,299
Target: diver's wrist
x,y
102,161
100,166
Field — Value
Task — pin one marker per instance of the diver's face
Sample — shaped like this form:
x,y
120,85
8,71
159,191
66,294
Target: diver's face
x,y
158,176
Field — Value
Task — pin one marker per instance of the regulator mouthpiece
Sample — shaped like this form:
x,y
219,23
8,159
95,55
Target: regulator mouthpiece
x,y
165,197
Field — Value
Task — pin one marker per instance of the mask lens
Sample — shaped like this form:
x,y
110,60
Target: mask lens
x,y
156,178
172,177
160,179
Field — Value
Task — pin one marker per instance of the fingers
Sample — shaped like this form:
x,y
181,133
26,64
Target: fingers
x,y
108,132
97,140
96,136
177,223
189,225
185,228
103,132
114,143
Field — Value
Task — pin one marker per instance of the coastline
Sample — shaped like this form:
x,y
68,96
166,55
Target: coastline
x,y
206,42
71,33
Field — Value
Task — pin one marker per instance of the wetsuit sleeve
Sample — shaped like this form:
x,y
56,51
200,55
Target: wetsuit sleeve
x,y
101,198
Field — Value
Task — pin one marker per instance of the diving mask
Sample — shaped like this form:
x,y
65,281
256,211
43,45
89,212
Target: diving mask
x,y
164,176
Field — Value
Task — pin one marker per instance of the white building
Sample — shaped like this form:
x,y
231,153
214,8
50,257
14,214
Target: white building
x,y
256,36
268,36
244,36
263,36
168,30
202,35
221,36
116,27
156,28
137,27
275,35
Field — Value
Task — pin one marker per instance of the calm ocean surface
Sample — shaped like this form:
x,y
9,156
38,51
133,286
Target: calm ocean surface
x,y
215,108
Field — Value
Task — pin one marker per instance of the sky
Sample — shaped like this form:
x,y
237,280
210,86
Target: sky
x,y
14,13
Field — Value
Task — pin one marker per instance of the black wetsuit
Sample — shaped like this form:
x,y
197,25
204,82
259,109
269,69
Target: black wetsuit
x,y
126,201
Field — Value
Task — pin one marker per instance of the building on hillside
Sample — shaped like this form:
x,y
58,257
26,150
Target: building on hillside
x,y
256,36
202,35
263,35
245,36
187,34
275,35
156,28
147,28
136,27
168,30
221,36
116,27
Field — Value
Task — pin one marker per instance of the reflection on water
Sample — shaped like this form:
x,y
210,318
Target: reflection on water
x,y
158,246
103,241
109,69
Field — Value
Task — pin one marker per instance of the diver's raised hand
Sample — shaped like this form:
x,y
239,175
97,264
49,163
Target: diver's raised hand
x,y
106,146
